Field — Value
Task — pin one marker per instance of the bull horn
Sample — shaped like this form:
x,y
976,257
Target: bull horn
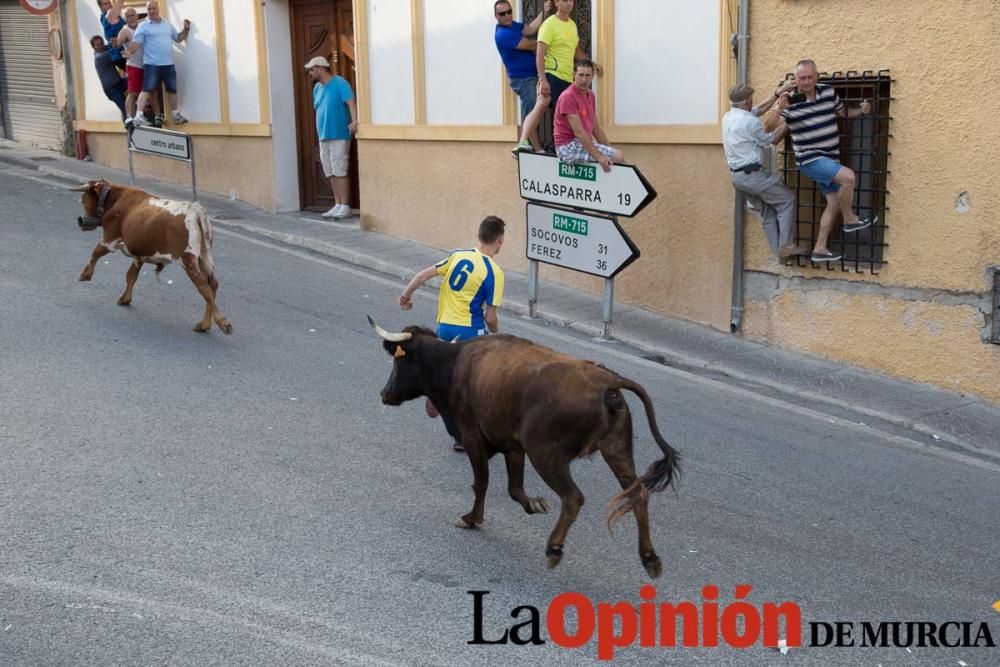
x,y
80,188
391,337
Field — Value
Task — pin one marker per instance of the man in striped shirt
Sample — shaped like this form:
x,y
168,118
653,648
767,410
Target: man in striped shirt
x,y
812,124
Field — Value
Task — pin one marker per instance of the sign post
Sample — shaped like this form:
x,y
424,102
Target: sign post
x,y
569,234
162,143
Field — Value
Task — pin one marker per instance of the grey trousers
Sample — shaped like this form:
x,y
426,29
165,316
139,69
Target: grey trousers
x,y
774,200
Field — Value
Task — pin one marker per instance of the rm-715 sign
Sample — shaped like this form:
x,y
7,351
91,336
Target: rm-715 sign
x,y
584,185
587,243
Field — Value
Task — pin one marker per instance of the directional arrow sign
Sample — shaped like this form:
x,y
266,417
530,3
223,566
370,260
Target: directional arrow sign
x,y
584,185
588,243
164,143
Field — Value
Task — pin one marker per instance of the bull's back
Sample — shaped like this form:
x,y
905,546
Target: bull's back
x,y
160,227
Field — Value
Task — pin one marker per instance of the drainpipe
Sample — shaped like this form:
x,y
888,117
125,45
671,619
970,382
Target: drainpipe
x,y
742,37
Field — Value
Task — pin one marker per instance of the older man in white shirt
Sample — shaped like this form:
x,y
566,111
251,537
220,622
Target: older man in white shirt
x,y
743,135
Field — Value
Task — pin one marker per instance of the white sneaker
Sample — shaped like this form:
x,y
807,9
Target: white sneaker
x,y
178,118
343,211
140,120
332,213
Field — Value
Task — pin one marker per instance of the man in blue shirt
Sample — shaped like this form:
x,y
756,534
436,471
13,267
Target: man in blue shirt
x,y
336,121
112,23
156,37
517,50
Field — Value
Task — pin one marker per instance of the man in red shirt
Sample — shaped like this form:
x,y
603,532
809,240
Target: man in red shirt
x,y
577,134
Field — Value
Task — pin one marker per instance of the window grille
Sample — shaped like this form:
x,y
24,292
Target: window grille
x,y
864,147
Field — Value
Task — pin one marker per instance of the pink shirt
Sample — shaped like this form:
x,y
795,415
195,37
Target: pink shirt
x,y
572,101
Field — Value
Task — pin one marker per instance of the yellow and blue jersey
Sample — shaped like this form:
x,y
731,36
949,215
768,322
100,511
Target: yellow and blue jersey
x,y
471,282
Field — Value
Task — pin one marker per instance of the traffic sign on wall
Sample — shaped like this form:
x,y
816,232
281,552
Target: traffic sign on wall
x,y
583,185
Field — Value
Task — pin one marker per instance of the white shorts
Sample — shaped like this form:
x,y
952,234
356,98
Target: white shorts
x,y
334,154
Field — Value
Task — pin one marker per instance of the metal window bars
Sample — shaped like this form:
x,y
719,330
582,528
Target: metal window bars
x,y
864,147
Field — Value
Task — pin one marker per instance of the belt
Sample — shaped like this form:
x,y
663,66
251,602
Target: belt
x,y
748,168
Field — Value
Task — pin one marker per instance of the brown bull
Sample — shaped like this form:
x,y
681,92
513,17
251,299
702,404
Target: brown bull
x,y
154,231
510,396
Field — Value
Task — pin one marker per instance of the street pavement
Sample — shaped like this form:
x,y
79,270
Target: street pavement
x,y
177,498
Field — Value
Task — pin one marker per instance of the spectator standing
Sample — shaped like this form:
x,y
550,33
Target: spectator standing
x,y
517,50
743,135
111,79
557,48
812,123
336,122
112,23
156,36
134,69
577,134
470,294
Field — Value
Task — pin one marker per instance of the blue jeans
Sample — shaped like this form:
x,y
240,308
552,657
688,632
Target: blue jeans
x,y
822,171
117,95
527,91
157,74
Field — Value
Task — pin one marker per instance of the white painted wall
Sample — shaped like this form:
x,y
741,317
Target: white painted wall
x,y
390,55
241,61
280,69
195,60
667,62
463,71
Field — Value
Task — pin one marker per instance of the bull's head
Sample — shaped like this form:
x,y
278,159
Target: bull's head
x,y
94,198
405,382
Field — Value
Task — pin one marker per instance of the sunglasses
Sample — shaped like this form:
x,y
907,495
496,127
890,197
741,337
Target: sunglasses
x,y
506,13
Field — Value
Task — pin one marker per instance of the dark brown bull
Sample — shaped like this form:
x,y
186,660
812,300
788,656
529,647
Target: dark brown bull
x,y
154,231
510,396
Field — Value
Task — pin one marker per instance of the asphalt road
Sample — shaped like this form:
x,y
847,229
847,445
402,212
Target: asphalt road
x,y
179,498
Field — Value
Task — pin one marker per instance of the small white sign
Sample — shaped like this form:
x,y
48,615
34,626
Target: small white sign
x,y
587,243
161,142
584,185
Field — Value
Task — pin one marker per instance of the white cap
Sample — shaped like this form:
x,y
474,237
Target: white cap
x,y
318,61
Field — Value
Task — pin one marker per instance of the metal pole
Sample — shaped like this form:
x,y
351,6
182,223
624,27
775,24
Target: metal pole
x,y
609,305
532,287
194,184
736,320
131,174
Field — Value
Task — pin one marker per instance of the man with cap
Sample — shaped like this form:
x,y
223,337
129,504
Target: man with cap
x,y
336,121
743,135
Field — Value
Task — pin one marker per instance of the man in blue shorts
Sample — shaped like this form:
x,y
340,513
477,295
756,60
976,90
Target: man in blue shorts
x,y
517,50
156,37
471,291
812,124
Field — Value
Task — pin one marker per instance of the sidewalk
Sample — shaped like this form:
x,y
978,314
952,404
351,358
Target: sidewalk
x,y
958,423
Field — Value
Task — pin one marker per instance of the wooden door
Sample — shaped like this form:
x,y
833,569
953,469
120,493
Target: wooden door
x,y
320,28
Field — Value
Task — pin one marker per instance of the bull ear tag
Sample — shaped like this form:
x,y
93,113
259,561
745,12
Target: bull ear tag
x,y
400,352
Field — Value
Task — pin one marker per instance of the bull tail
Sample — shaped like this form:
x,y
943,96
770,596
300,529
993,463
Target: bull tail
x,y
660,474
204,226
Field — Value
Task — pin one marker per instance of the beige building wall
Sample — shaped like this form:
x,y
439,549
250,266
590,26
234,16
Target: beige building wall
x,y
237,166
926,314
436,192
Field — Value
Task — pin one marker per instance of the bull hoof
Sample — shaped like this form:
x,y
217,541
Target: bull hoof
x,y
554,554
464,522
84,277
202,328
227,328
654,568
122,301
537,506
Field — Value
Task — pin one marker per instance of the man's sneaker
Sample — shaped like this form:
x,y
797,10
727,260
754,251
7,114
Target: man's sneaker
x,y
522,146
140,120
786,251
129,123
178,118
332,212
860,224
342,211
820,257
157,121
